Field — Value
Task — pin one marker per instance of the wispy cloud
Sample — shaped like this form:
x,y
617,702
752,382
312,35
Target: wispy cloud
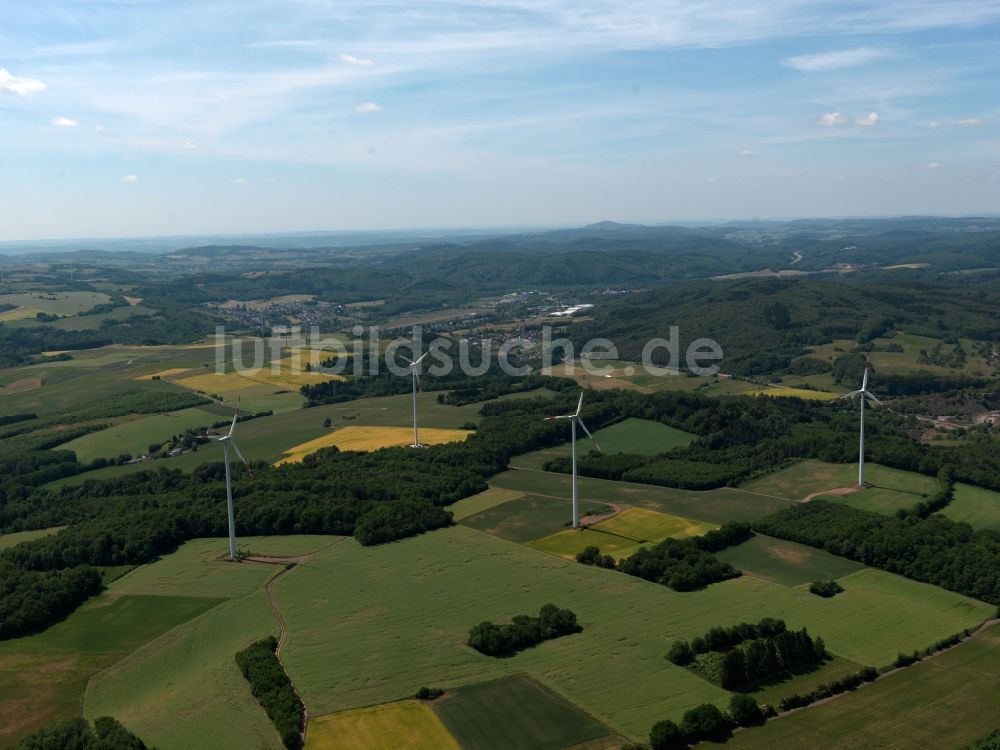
x,y
972,122
64,122
822,61
188,146
239,180
366,107
19,85
130,178
934,165
868,120
359,62
833,119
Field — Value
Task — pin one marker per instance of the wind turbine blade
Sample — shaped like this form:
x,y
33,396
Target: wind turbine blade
x,y
408,360
873,398
579,405
596,444
864,381
421,357
236,417
564,416
237,449
852,395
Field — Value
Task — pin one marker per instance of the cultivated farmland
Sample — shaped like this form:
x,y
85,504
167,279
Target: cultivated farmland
x,y
404,724
365,438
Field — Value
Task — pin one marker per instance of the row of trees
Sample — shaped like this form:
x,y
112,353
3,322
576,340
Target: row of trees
x,y
761,659
78,734
30,600
523,632
273,690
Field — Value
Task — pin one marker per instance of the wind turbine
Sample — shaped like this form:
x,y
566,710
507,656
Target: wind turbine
x,y
227,440
861,394
414,366
574,421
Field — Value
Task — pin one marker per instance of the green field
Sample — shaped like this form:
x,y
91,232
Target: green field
x,y
716,506
906,361
11,540
945,703
978,507
268,438
642,436
525,518
514,712
53,303
184,690
43,677
787,563
360,632
622,534
891,488
135,435
470,506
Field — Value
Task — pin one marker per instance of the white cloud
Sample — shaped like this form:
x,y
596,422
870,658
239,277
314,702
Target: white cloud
x,y
239,180
868,120
188,146
934,125
709,179
130,178
352,60
831,119
64,122
366,107
19,85
934,165
848,58
972,122
745,152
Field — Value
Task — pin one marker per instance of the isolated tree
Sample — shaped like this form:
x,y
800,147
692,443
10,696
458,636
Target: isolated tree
x,y
666,735
745,710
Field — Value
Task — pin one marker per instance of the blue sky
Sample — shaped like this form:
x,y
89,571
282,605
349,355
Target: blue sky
x,y
139,117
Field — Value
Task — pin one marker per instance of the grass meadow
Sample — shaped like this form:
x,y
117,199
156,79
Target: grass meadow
x,y
787,563
361,633
978,507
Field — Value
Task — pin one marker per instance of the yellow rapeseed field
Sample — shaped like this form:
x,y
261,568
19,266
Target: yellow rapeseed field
x,y
363,438
391,726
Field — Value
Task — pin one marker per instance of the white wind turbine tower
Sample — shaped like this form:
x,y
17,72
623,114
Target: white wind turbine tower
x,y
861,394
414,367
227,440
574,421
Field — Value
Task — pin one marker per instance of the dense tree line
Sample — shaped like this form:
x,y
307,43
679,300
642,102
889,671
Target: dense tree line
x,y
841,685
523,632
934,549
77,734
30,600
761,659
989,742
273,690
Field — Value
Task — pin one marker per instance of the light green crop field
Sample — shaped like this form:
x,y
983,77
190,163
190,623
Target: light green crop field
x,y
135,436
43,677
474,504
891,488
404,724
360,633
944,703
623,534
716,506
804,681
787,563
514,712
12,540
978,507
53,303
184,690
900,363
